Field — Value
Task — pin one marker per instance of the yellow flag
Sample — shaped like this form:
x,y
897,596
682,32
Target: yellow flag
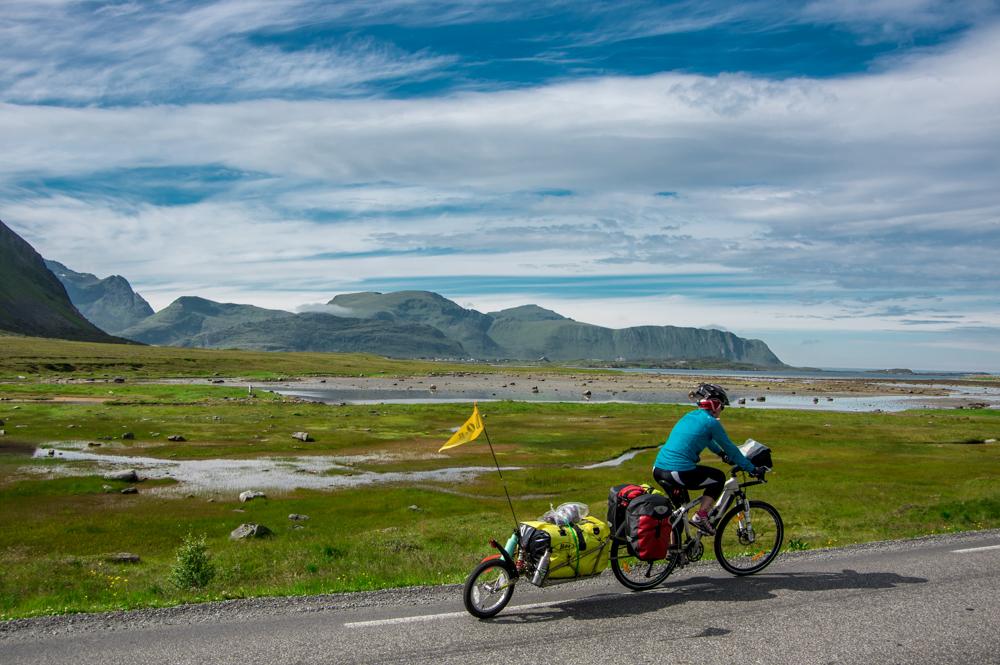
x,y
472,428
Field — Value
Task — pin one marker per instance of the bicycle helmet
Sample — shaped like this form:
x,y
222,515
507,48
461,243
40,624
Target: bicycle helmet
x,y
709,396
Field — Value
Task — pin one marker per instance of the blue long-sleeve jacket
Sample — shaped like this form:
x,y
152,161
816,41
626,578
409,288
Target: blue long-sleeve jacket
x,y
693,433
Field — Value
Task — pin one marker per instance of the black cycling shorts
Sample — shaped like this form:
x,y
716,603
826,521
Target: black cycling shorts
x,y
706,477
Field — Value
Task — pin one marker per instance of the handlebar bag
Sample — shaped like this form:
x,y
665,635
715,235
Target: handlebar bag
x,y
650,533
757,453
580,549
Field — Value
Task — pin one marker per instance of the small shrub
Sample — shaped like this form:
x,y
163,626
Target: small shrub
x,y
797,545
194,567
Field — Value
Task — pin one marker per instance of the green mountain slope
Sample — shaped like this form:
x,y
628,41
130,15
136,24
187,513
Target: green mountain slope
x,y
529,332
33,301
466,326
313,331
108,303
189,316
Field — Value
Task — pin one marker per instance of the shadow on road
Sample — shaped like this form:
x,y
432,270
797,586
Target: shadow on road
x,y
676,593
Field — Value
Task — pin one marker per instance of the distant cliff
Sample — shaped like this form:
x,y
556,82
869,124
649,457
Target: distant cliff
x,y
108,303
530,332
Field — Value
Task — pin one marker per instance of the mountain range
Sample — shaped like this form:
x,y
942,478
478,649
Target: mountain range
x,y
52,300
422,324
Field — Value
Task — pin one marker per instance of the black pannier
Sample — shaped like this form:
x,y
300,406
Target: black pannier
x,y
619,497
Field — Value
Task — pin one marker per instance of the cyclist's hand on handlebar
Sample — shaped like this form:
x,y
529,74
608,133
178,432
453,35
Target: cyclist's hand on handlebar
x,y
759,472
725,458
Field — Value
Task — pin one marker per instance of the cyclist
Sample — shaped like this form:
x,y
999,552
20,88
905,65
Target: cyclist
x,y
676,463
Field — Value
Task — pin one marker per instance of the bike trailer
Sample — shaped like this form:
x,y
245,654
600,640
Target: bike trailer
x,y
580,549
649,530
757,453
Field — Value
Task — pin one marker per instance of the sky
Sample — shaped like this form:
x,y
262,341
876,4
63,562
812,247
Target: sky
x,y
824,176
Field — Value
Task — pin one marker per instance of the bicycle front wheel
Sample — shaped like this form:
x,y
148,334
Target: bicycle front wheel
x,y
488,589
636,574
746,542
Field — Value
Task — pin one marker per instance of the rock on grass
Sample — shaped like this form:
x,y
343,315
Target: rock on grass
x,y
129,476
244,531
250,495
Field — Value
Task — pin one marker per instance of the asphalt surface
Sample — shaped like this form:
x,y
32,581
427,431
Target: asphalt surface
x,y
935,600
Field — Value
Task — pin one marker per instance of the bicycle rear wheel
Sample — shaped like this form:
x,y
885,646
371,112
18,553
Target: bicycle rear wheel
x,y
488,589
636,574
742,554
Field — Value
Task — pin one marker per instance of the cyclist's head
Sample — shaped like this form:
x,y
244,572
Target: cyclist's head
x,y
710,397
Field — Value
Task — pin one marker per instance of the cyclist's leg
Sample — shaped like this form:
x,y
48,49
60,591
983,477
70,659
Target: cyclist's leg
x,y
712,481
675,490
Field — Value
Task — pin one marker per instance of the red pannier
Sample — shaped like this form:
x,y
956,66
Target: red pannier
x,y
619,497
649,532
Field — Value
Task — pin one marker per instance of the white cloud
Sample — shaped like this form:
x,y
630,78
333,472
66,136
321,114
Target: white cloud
x,y
879,186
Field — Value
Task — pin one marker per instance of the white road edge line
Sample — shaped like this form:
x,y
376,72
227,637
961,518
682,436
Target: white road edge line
x,y
977,549
446,615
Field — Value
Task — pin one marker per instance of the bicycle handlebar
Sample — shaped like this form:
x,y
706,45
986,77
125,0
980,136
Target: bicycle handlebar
x,y
764,470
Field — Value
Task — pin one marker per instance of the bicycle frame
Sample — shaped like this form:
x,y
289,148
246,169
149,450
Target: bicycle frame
x,y
732,492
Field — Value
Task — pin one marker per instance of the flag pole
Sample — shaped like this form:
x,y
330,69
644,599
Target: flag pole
x,y
517,529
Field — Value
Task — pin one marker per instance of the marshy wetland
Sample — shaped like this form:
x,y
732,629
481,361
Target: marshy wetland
x,y
384,507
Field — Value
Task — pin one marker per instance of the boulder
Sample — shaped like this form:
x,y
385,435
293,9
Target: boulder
x,y
123,557
295,517
3,432
130,490
176,437
302,436
129,476
119,379
762,398
250,495
128,436
587,393
249,531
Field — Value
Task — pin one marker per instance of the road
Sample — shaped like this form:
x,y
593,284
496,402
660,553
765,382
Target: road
x,y
931,600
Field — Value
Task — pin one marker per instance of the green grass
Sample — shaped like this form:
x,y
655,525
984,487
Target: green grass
x,y
841,478
47,359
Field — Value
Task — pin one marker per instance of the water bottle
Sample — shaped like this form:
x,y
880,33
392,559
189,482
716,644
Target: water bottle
x,y
542,569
